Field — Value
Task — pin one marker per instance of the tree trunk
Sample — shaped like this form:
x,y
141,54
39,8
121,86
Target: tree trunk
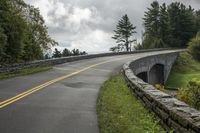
x,y
126,44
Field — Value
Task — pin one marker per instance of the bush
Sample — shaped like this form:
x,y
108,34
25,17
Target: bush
x,y
160,87
185,63
191,94
194,47
184,95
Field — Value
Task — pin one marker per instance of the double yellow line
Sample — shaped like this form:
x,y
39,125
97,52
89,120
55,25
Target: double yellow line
x,y
42,86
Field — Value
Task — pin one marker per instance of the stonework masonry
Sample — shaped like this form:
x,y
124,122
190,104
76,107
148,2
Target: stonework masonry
x,y
173,113
12,68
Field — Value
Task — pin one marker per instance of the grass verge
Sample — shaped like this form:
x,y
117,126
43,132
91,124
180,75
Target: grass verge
x,y
184,70
119,111
26,71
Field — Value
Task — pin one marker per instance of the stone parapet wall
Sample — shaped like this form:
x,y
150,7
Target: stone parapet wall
x,y
173,113
11,68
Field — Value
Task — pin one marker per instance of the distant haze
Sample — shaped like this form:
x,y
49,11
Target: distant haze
x,y
88,24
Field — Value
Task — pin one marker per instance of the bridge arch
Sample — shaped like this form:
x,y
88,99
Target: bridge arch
x,y
156,74
143,76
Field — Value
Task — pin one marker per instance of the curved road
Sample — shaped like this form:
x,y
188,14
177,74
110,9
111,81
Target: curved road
x,y
62,100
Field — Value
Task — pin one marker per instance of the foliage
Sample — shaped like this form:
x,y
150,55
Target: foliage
x,y
66,52
57,53
151,20
191,94
197,20
186,63
181,24
169,26
119,111
138,46
26,71
184,95
194,47
3,42
160,87
12,25
184,69
163,24
124,30
23,34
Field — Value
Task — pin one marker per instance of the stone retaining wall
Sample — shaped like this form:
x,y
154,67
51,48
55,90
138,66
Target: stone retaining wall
x,y
173,113
11,68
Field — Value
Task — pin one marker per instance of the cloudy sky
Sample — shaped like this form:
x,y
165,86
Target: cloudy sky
x,y
88,24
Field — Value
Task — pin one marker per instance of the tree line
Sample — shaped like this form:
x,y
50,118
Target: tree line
x,y
65,53
172,25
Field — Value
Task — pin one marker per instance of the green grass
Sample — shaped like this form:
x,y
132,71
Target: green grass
x,y
184,70
26,71
119,111
178,80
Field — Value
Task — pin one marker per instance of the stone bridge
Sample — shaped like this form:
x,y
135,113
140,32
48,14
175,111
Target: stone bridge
x,y
63,99
174,114
154,69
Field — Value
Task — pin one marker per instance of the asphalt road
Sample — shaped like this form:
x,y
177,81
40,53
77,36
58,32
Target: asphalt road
x,y
66,100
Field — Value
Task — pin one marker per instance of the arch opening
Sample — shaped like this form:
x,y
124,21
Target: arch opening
x,y
156,74
143,76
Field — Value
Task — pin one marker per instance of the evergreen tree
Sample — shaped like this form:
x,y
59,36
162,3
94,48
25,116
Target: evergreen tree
x,y
3,42
151,20
153,36
197,20
57,53
171,26
124,30
75,52
47,56
181,24
66,53
83,53
163,25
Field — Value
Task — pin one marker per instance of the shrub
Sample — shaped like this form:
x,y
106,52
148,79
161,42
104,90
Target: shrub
x,y
194,86
160,87
191,94
184,95
194,47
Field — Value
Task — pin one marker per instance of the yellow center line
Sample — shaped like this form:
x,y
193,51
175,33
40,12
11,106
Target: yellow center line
x,y
42,86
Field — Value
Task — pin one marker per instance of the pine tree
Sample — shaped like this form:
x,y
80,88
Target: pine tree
x,y
75,52
152,27
57,53
66,53
151,20
3,42
124,30
171,26
181,24
197,20
163,25
83,53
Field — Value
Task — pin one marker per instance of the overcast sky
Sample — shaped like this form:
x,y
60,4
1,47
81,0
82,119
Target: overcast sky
x,y
88,24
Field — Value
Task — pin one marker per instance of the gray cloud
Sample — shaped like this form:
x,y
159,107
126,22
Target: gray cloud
x,y
89,24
